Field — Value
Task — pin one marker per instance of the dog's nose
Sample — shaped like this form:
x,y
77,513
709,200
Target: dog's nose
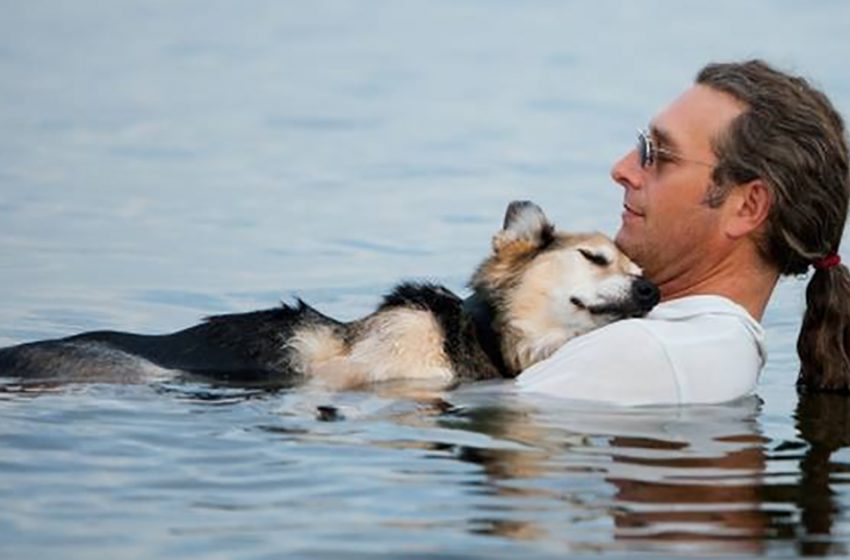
x,y
645,293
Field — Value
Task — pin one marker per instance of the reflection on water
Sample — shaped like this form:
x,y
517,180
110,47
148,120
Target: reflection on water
x,y
698,479
669,476
823,422
437,471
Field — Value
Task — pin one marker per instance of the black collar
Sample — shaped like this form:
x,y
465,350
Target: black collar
x,y
480,310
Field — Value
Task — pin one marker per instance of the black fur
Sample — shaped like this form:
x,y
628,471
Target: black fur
x,y
465,339
245,347
238,348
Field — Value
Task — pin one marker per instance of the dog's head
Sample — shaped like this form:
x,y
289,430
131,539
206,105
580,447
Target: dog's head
x,y
546,286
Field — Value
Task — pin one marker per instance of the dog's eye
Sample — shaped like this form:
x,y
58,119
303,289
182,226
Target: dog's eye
x,y
595,258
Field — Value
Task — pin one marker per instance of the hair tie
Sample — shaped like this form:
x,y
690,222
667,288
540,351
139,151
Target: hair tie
x,y
827,262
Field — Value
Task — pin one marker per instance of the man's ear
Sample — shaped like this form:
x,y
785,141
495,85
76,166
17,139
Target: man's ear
x,y
524,222
747,208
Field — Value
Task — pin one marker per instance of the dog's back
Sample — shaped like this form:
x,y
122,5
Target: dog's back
x,y
420,331
243,347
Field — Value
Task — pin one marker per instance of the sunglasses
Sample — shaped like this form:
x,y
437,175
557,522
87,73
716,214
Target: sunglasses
x,y
648,152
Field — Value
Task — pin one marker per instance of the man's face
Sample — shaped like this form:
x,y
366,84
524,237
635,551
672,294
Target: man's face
x,y
667,228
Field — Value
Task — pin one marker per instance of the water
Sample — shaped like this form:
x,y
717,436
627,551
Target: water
x,y
161,161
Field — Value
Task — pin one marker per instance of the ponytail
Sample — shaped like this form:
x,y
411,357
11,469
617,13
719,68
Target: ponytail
x,y
824,341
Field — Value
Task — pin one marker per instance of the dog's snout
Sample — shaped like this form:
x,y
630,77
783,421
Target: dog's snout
x,y
645,293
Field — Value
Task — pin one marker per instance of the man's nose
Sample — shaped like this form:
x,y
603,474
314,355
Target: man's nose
x,y
627,171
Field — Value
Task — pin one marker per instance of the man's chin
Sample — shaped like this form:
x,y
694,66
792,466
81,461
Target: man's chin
x,y
622,240
627,244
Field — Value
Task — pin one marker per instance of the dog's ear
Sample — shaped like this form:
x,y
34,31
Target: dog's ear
x,y
524,222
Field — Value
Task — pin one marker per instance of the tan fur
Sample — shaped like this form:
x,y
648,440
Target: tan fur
x,y
532,333
394,344
538,316
314,347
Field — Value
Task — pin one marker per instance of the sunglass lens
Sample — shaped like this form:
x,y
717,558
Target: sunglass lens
x,y
644,149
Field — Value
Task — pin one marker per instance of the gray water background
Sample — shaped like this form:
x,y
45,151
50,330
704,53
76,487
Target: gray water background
x,y
162,161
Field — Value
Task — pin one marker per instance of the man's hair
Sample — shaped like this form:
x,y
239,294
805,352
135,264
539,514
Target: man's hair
x,y
792,138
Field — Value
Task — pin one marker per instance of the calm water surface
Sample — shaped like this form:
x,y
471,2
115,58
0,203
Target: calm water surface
x,y
162,161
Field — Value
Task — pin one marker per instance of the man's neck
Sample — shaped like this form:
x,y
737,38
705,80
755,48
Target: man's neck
x,y
747,282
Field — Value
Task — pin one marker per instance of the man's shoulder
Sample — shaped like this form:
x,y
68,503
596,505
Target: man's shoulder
x,y
698,307
707,316
666,356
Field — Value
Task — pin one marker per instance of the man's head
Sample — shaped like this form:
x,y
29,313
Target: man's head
x,y
747,154
792,138
665,211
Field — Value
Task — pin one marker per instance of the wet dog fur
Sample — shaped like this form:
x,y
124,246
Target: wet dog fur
x,y
536,290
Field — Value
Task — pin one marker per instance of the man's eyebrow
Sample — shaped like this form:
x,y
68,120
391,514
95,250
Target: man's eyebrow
x,y
664,139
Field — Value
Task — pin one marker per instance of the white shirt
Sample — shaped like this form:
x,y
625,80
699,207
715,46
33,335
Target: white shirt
x,y
696,349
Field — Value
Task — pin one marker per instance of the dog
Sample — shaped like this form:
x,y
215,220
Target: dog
x,y
536,290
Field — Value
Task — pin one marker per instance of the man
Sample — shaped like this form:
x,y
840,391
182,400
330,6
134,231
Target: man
x,y
742,179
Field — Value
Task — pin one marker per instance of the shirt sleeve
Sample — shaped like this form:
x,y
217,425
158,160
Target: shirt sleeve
x,y
623,363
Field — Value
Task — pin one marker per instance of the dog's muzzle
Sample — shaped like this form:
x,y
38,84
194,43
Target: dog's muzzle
x,y
645,294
